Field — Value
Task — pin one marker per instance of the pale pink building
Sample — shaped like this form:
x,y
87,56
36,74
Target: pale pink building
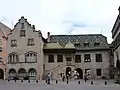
x,y
4,31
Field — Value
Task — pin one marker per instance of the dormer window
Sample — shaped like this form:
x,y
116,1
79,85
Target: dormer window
x,y
22,25
77,45
86,44
96,44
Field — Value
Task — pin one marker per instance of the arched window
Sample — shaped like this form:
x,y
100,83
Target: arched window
x,y
12,72
13,58
22,72
32,72
31,57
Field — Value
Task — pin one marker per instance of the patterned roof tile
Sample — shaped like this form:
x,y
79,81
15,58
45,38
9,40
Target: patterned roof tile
x,y
81,39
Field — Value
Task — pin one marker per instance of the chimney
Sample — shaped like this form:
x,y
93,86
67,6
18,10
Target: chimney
x,y
48,37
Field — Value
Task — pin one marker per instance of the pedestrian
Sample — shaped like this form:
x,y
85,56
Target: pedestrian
x,y
48,80
85,78
67,76
63,77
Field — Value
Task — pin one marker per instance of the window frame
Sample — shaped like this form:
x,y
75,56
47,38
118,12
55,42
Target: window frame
x,y
1,49
96,44
22,33
98,58
50,58
11,60
86,59
22,25
30,55
86,44
76,59
14,44
60,58
97,73
30,42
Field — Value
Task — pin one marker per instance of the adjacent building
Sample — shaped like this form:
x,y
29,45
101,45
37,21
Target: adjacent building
x,y
116,43
28,53
25,51
4,31
77,54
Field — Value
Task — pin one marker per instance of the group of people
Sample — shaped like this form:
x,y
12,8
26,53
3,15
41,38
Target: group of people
x,y
48,77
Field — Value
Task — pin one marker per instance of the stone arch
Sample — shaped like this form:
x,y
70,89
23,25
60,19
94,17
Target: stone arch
x,y
79,73
68,71
32,73
22,72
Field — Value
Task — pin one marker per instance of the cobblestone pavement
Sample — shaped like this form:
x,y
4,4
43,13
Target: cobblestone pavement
x,y
72,85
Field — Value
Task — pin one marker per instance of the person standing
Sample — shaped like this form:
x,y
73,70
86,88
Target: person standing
x,y
48,80
63,77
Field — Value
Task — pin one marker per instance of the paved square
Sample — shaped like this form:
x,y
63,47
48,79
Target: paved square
x,y
73,85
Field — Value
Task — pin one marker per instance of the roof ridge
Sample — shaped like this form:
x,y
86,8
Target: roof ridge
x,y
76,35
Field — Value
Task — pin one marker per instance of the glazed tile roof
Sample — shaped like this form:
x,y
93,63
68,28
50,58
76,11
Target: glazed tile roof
x,y
80,39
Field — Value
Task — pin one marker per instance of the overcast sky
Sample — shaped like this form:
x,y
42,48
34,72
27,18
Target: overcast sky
x,y
63,16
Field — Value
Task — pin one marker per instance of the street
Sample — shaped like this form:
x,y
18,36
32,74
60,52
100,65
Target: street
x,y
72,85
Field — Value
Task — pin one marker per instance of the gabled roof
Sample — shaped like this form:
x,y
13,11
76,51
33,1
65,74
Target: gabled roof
x,y
69,45
4,29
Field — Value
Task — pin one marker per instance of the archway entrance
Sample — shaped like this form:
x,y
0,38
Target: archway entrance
x,y
32,73
79,73
68,71
21,73
1,74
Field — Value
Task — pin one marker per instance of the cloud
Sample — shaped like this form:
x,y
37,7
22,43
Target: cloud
x,y
64,16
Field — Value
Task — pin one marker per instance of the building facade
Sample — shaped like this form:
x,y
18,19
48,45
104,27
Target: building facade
x,y
25,51
28,53
116,43
4,31
77,54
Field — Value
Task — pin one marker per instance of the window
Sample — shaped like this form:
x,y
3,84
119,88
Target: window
x,y
0,49
13,43
22,25
87,72
98,57
0,41
87,58
86,44
59,58
31,57
32,73
77,45
51,58
13,58
31,41
22,33
1,59
68,59
98,72
77,58
96,44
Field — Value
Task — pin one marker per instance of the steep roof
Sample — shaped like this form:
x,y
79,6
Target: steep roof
x,y
5,30
81,39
